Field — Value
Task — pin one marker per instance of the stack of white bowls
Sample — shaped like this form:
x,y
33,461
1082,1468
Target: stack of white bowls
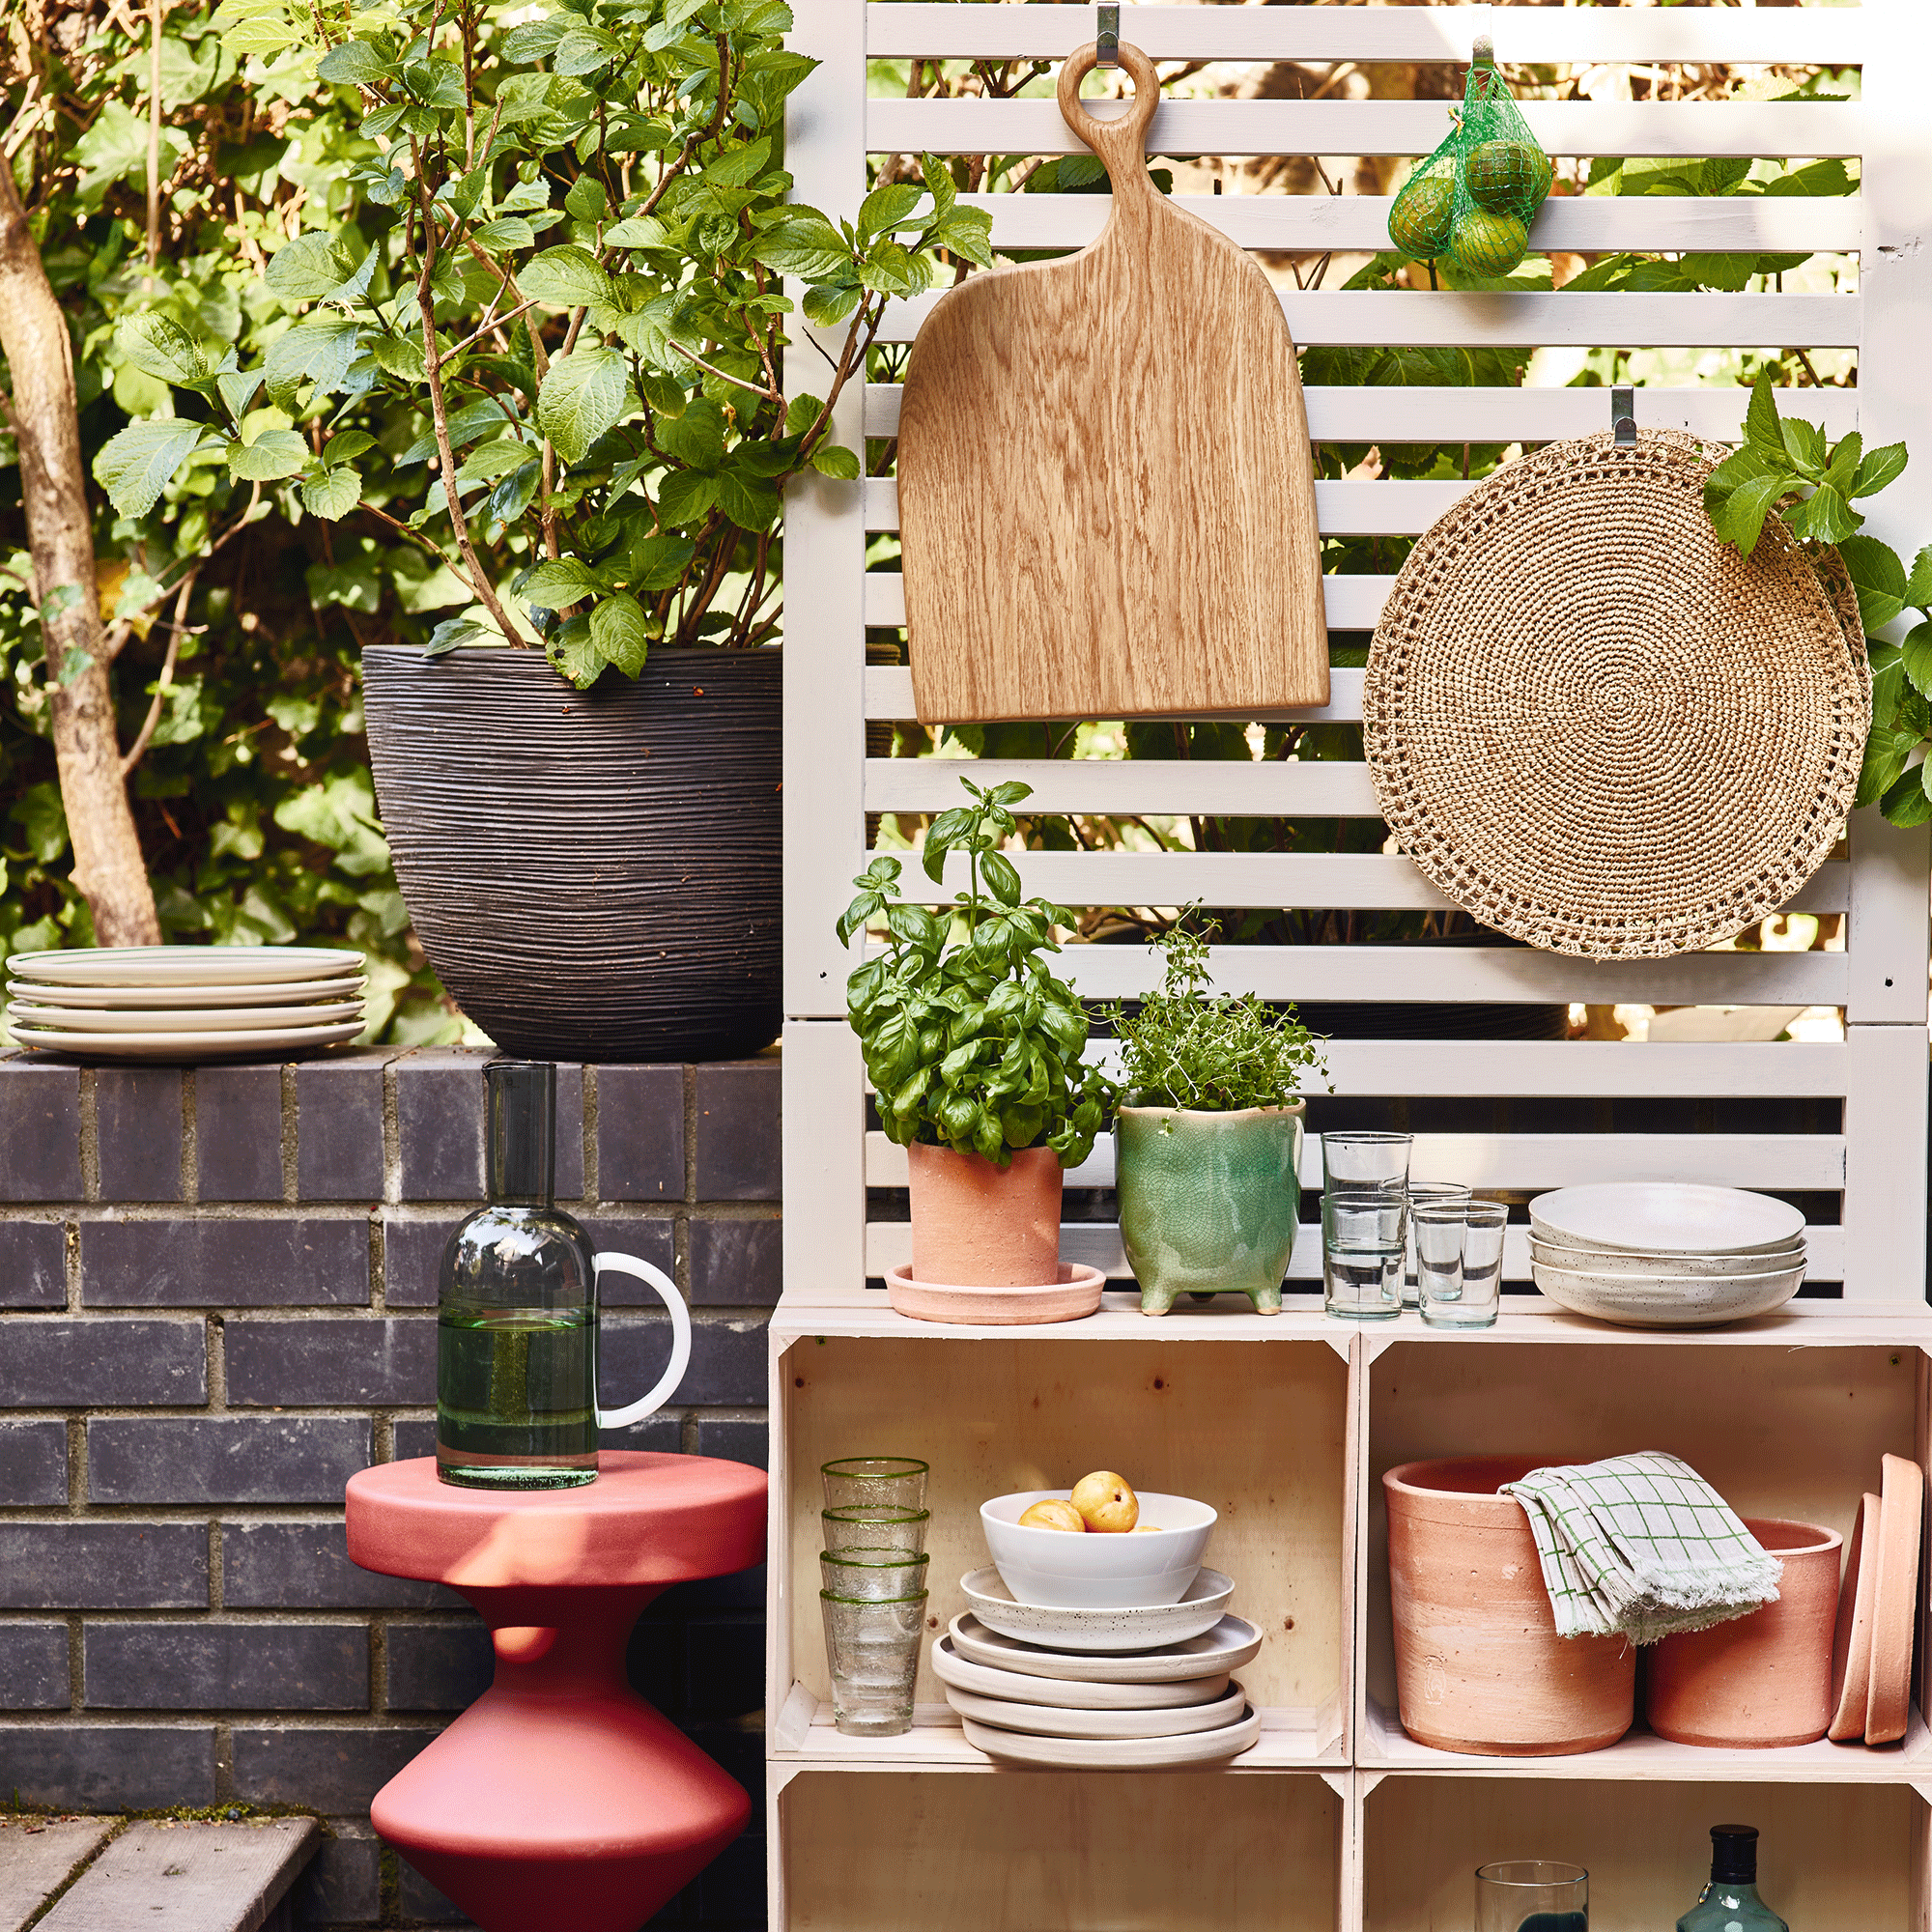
x,y
185,1004
1099,1652
1666,1254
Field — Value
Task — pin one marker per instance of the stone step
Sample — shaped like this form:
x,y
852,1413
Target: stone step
x,y
169,1875
35,1855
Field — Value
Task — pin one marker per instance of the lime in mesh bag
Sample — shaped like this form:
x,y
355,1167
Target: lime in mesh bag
x,y
1476,195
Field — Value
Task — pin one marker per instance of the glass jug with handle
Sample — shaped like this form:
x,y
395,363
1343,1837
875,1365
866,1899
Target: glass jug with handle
x,y
516,1360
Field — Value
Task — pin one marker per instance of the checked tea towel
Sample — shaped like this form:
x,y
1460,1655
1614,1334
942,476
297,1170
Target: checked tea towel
x,y
1641,1547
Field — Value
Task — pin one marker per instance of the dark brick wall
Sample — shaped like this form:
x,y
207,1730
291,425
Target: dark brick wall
x,y
219,1296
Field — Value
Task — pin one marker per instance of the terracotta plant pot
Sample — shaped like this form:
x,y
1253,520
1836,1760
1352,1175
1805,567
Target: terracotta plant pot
x,y
1761,1681
594,874
1209,1202
1479,1665
977,1224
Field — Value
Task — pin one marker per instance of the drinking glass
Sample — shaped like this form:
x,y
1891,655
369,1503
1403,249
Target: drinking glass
x,y
1366,1160
897,1481
1420,1191
1437,1228
1482,1261
1363,1242
871,1576
872,1649
1532,1895
875,1526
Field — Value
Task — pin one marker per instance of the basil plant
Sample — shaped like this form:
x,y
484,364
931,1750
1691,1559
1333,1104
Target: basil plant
x,y
537,331
970,1041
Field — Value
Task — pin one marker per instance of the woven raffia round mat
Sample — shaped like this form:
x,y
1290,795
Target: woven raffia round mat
x,y
1598,729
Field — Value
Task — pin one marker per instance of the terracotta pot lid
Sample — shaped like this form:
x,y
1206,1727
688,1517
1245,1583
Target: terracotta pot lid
x,y
1851,1642
1074,1294
1895,1597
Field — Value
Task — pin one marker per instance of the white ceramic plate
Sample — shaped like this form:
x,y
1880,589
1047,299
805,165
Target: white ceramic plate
x,y
1115,1754
1043,1720
240,1019
183,965
1606,1260
184,999
1664,1217
1016,1686
182,1048
1667,1301
1146,1627
1233,1642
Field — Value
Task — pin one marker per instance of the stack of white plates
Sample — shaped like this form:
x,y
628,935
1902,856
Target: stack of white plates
x,y
1073,1703
183,1003
1666,1254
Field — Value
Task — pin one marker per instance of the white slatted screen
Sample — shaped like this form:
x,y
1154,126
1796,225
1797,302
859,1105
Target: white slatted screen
x,y
1879,1074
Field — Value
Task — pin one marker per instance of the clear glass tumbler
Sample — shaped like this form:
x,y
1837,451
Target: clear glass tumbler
x,y
1366,1160
1482,1226
1420,1191
875,1526
1532,1895
897,1481
872,1652
871,1576
1436,1226
1364,1240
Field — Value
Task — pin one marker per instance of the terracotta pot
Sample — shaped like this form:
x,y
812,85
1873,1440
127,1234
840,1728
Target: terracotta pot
x,y
1479,1665
1761,1681
977,1224
1209,1202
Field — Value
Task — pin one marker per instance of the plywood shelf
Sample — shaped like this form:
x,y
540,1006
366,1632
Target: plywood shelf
x,y
1384,1748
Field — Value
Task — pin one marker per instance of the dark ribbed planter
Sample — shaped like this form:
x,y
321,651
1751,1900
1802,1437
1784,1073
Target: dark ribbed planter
x,y
595,875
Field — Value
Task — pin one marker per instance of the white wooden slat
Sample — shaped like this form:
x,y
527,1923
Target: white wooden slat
x,y
1351,602
1888,923
1388,414
889,696
1343,509
1329,879
1594,318
1687,128
823,1174
1318,789
1508,974
1098,1244
1814,34
1582,224
1778,1161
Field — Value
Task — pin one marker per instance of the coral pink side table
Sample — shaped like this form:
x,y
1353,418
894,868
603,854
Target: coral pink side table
x,y
560,1798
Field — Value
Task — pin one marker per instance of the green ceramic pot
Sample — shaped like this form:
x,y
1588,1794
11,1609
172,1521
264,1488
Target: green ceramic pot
x,y
1209,1202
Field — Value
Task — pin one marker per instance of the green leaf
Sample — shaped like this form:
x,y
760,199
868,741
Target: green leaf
x,y
238,390
622,631
829,307
804,245
347,446
696,438
829,459
556,584
1825,517
740,167
136,466
751,504
42,818
332,494
567,276
685,495
317,267
638,231
1804,445
1915,655
584,50
161,346
1763,431
319,349
492,460
967,232
507,231
884,207
1880,467
354,64
1907,803
801,412
1738,496
1878,579
582,396
399,356
451,634
275,453
1918,586
534,39
586,200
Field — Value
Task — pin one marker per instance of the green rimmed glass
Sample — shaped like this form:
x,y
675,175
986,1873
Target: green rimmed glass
x,y
891,1482
871,1650
875,1526
872,1576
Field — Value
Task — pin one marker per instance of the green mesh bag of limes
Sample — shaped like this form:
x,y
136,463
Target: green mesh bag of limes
x,y
1474,198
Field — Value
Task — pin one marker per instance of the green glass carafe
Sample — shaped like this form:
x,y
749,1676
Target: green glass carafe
x,y
1730,1903
516,1356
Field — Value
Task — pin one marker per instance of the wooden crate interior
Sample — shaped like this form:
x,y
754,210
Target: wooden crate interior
x,y
1060,1851
1833,1858
1256,1432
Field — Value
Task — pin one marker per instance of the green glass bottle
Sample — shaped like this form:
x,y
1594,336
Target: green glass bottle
x,y
1730,1903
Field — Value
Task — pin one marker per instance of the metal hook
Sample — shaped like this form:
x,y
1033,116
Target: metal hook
x,y
1623,417
1107,39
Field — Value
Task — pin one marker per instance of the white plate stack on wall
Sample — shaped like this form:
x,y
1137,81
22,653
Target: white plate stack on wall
x,y
1337,1822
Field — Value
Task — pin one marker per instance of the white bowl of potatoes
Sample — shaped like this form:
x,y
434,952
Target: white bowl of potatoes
x,y
1098,1545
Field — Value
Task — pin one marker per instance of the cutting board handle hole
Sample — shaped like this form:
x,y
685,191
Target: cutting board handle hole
x,y
1117,142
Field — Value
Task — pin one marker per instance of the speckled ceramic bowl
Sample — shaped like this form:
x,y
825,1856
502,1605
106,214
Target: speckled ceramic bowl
x,y
1145,1627
1054,1567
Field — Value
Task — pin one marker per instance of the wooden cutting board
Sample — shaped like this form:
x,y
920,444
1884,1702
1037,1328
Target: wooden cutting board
x,y
1106,497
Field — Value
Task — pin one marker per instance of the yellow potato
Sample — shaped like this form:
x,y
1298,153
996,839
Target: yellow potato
x,y
1053,1513
1107,1502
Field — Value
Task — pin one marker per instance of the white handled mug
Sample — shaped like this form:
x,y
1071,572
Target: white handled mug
x,y
680,1340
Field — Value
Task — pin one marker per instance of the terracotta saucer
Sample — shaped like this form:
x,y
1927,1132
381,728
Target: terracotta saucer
x,y
1894,1598
1851,1642
1076,1293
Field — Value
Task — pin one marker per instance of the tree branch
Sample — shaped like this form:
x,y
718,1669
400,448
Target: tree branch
x,y
146,735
